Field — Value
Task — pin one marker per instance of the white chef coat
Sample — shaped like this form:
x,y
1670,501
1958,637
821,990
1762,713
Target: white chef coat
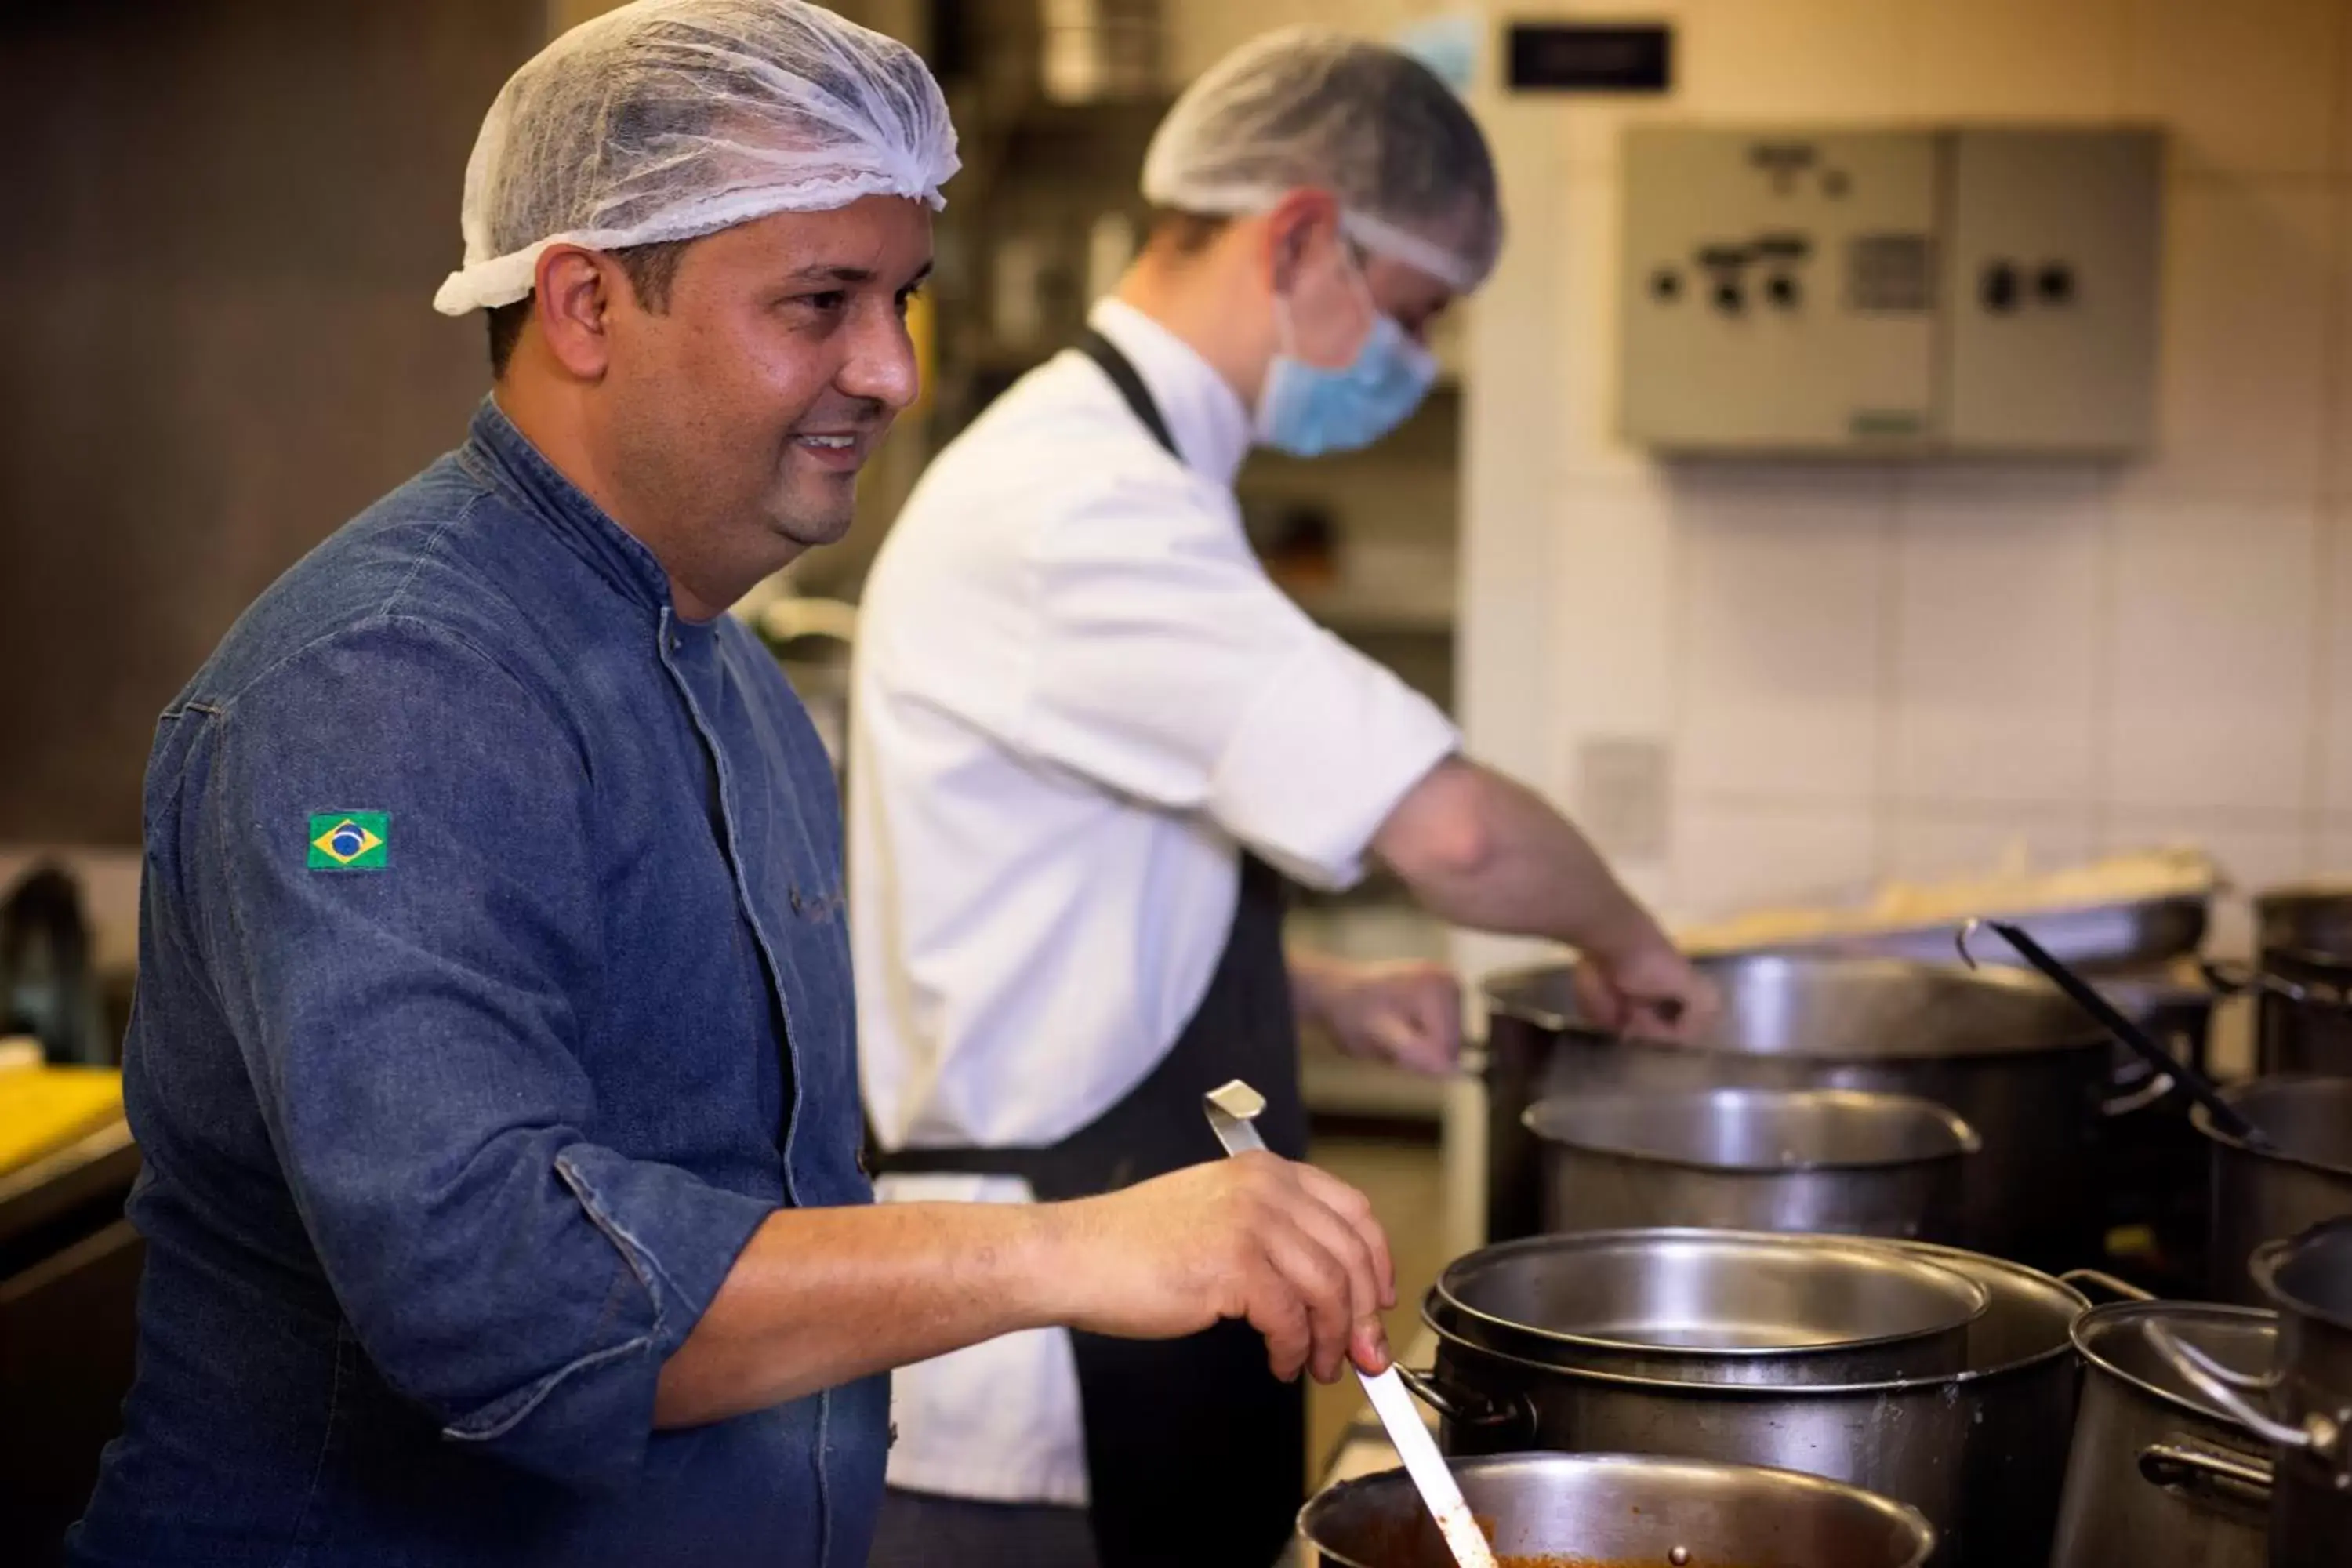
x,y
1078,698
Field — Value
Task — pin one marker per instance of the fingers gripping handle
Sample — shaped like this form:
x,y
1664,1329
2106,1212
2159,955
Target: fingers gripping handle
x,y
1233,1115
1232,1110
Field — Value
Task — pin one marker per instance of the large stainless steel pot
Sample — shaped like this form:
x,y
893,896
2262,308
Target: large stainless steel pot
x,y
1604,1510
2309,1280
1715,1307
1981,1452
2018,1395
2160,1476
2006,1052
1816,1160
2305,1020
2261,1195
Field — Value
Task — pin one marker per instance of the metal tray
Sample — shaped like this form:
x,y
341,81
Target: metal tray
x,y
2139,934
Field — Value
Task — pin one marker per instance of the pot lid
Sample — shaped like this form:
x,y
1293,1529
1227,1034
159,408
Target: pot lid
x,y
2114,1340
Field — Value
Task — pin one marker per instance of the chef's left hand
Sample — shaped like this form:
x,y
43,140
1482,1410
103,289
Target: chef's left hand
x,y
1407,1011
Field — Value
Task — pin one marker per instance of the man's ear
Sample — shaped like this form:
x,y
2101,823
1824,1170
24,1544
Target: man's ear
x,y
1298,227
569,304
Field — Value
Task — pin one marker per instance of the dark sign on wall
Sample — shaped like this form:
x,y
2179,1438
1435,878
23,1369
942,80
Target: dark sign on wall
x,y
1571,57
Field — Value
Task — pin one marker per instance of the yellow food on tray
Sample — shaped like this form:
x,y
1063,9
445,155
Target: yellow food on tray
x,y
2010,889
43,1108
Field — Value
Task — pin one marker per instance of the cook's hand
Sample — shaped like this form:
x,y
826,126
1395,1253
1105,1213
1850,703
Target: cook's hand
x,y
1408,1012
1294,1251
1649,989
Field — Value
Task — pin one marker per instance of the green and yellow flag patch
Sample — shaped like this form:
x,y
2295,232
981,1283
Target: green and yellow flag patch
x,y
350,840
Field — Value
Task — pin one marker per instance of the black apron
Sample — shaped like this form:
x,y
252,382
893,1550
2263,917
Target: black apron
x,y
1195,1453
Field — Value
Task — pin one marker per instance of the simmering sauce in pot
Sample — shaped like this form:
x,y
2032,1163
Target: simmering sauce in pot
x,y
1415,1544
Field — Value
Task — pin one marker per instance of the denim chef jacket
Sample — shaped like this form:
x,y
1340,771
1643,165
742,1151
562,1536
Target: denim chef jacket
x,y
493,988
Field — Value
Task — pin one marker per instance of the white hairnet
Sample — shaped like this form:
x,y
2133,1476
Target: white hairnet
x,y
669,119
1378,129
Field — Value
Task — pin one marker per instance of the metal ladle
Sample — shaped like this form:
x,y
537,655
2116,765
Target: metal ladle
x,y
1232,1110
2201,1089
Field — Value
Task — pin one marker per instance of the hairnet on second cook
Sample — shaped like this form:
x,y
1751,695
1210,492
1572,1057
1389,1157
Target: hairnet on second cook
x,y
669,119
1303,107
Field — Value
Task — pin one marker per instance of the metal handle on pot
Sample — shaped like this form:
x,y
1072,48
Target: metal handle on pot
x,y
2224,1386
2233,979
2098,1280
2228,1478
2153,1086
1463,1407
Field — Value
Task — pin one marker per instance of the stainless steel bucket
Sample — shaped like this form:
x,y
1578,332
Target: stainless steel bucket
x,y
1824,1160
2261,1195
2160,1476
2309,1280
1982,1452
1608,1509
1716,1307
2004,1050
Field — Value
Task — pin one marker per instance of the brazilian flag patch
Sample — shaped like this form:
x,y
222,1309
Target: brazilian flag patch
x,y
350,840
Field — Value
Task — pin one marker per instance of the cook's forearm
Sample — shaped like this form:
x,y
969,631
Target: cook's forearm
x,y
1482,850
822,1297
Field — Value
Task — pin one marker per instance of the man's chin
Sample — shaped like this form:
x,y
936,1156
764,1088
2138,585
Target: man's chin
x,y
811,521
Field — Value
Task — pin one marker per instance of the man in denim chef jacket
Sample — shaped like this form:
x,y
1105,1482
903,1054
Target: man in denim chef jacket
x,y
493,1061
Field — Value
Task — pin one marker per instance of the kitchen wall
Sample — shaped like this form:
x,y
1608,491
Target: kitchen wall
x,y
224,222
1872,671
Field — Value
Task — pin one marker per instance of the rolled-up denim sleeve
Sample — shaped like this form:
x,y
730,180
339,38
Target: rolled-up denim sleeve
x,y
411,999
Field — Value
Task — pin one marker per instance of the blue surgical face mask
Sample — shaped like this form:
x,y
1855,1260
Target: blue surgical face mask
x,y
1307,410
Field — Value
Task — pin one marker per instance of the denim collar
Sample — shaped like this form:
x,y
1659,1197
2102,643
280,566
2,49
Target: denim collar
x,y
505,458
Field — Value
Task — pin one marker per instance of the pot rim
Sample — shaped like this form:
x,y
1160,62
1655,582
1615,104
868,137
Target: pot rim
x,y
1738,1354
1679,1388
1902,1515
2092,1036
2202,1120
2311,890
2331,963
2207,1311
1965,1139
2274,1255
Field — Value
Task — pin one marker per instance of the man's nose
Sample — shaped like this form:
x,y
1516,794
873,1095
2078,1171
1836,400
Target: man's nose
x,y
881,363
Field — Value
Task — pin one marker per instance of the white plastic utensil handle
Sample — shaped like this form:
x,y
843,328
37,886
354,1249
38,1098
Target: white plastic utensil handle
x,y
1232,1109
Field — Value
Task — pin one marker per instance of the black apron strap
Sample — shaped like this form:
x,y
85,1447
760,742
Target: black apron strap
x,y
1170,1424
1122,374
1195,1453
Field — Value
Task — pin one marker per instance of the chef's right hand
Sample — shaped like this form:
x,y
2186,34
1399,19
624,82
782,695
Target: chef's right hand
x,y
1292,1249
1646,987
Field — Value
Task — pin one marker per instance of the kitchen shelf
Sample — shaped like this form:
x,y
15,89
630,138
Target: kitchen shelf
x,y
1334,1085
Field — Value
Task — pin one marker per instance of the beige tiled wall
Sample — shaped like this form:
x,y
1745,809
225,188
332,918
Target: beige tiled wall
x,y
1900,670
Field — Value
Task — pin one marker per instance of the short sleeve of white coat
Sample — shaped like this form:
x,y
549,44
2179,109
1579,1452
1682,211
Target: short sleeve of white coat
x,y
1171,668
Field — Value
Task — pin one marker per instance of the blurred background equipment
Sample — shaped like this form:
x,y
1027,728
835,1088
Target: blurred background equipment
x,y
1899,292
48,988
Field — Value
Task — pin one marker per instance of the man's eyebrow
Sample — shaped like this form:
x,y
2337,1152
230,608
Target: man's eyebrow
x,y
826,272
